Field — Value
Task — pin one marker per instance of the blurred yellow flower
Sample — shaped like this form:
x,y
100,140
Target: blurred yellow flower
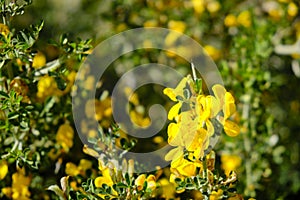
x,y
47,87
179,26
4,30
230,163
85,164
168,188
71,169
100,110
138,119
3,169
230,20
276,13
19,189
39,60
64,136
199,6
89,83
238,197
151,23
213,6
292,9
213,52
244,19
133,97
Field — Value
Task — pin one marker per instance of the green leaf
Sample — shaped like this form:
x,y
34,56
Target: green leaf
x,y
13,115
57,191
3,94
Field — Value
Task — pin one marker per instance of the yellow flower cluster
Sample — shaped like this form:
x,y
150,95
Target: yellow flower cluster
x,y
194,115
141,179
212,6
47,86
64,136
73,170
243,19
19,189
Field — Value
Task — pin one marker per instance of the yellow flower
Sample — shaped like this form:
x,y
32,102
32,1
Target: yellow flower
x,y
168,189
85,165
213,52
3,169
39,60
64,136
178,91
71,169
179,26
100,110
4,30
230,20
228,107
104,179
213,6
185,167
215,195
47,87
230,163
133,97
89,83
275,13
244,19
238,197
20,184
138,119
292,9
140,181
150,23
198,6
151,182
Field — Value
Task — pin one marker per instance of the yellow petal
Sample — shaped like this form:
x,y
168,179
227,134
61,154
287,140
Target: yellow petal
x,y
90,151
219,92
174,154
231,128
229,106
174,111
3,169
139,181
210,128
105,178
174,137
170,93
